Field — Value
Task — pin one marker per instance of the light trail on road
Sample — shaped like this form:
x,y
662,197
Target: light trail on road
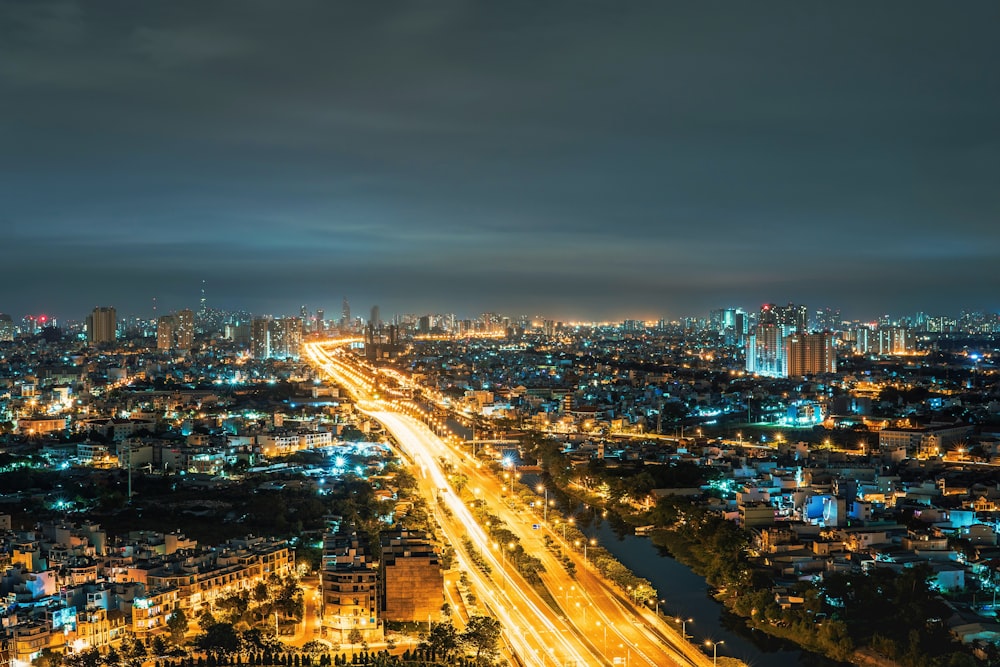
x,y
568,639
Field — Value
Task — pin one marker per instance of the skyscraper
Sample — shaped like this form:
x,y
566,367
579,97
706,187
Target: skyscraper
x,y
286,337
260,338
809,354
102,325
166,332
764,350
376,318
793,318
345,314
185,329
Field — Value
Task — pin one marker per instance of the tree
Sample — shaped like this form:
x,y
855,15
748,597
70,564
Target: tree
x,y
89,658
112,658
47,659
159,646
443,639
177,623
133,652
355,636
219,639
206,620
483,634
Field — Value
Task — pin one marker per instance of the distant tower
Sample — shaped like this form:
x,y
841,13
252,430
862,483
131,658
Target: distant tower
x,y
376,319
320,314
345,314
102,325
203,304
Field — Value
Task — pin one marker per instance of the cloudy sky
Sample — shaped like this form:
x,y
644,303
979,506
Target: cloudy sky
x,y
575,159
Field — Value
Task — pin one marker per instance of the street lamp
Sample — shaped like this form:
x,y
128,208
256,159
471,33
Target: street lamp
x,y
684,623
628,652
545,511
503,561
591,542
715,650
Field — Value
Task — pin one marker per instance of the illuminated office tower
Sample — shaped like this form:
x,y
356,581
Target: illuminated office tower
x,y
809,354
102,325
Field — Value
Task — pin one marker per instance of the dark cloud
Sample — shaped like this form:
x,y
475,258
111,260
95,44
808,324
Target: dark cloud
x,y
581,159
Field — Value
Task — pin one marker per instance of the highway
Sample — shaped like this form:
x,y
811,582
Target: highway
x,y
591,622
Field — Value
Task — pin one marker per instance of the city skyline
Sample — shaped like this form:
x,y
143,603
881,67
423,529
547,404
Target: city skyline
x,y
817,316
585,162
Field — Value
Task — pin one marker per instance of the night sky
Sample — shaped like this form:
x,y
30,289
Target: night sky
x,y
573,159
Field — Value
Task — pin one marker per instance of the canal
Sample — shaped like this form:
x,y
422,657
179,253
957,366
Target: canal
x,y
686,595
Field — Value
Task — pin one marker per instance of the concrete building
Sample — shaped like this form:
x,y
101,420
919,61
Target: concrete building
x,y
260,338
102,325
765,350
349,585
412,582
809,354
185,330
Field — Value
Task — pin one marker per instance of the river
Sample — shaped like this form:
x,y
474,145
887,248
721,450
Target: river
x,y
686,595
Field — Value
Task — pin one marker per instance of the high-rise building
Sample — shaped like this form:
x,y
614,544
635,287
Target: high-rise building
x,y
286,337
6,327
376,318
345,314
320,323
166,332
185,329
793,318
809,354
895,340
260,338
102,325
239,333
765,349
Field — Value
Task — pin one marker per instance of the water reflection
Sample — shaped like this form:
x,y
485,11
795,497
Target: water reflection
x,y
687,595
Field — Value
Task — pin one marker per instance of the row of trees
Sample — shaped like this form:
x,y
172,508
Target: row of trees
x,y
480,637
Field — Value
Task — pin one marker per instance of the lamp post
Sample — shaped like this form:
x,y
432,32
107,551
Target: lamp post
x,y
545,510
684,622
715,650
628,652
503,561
